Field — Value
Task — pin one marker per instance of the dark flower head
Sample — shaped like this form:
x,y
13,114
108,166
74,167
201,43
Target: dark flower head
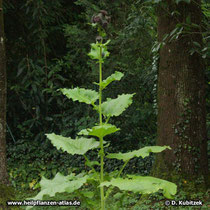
x,y
95,19
101,18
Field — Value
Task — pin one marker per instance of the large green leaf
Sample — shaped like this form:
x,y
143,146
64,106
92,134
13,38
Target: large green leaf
x,y
81,95
143,185
95,50
59,184
73,146
143,152
116,76
114,107
99,131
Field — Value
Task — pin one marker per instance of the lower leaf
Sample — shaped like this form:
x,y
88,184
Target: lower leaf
x,y
143,185
59,184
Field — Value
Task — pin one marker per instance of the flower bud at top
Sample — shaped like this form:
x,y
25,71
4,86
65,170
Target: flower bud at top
x,y
104,23
99,39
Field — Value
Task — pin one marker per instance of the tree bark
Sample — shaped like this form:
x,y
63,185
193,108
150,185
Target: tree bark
x,y
181,95
3,91
6,192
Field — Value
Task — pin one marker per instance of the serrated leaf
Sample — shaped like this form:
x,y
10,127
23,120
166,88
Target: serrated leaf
x,y
143,152
59,184
73,146
116,76
95,51
99,131
143,185
114,107
81,95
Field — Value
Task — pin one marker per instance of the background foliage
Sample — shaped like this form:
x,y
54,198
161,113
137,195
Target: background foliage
x,y
47,46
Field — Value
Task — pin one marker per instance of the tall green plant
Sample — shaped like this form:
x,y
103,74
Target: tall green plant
x,y
82,144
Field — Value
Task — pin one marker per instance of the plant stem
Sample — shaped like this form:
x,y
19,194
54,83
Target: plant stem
x,y
101,139
118,175
126,162
107,120
87,160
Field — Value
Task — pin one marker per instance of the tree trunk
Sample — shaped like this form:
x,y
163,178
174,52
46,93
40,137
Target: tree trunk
x,y
6,192
3,92
181,96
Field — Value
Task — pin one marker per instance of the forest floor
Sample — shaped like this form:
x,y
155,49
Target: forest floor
x,y
133,201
